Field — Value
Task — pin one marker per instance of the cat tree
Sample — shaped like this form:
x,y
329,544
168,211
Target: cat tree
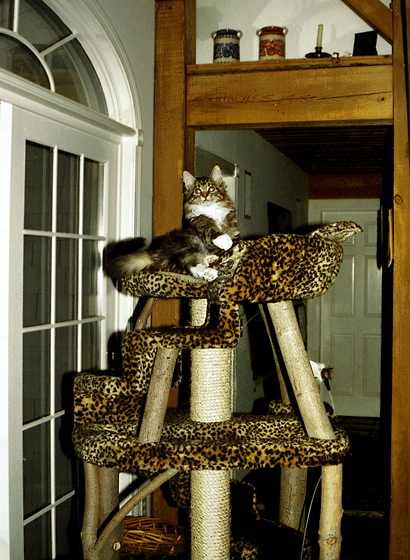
x,y
210,440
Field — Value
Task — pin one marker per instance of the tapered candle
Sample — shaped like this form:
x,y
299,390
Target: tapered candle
x,y
319,35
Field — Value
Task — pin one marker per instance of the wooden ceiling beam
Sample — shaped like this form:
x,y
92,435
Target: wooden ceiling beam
x,y
376,14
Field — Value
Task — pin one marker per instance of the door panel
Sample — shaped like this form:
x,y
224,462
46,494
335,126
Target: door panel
x,y
348,317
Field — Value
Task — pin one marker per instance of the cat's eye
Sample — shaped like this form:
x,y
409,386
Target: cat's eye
x,y
211,189
197,191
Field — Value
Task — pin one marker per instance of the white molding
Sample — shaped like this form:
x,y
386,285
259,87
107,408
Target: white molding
x,y
22,93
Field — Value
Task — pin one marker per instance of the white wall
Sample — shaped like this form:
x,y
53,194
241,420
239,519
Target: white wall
x,y
301,17
134,23
274,177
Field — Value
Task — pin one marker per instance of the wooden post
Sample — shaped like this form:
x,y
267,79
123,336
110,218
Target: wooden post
x,y
330,537
91,509
400,434
297,363
293,483
174,149
317,424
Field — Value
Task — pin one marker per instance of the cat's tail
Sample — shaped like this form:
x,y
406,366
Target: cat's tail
x,y
126,258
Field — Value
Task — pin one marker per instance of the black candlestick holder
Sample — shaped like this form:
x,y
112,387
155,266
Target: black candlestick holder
x,y
318,53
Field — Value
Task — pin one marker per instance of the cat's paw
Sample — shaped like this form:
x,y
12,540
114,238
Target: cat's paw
x,y
210,274
223,241
210,259
204,272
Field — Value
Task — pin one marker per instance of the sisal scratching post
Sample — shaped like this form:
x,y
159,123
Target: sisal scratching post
x,y
210,492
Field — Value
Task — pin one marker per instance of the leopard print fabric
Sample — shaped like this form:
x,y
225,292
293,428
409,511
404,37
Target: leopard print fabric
x,y
246,441
107,409
272,268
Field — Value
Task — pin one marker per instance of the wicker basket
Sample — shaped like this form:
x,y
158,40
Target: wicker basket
x,y
151,536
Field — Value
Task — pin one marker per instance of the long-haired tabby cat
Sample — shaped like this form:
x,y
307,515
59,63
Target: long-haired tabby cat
x,y
211,227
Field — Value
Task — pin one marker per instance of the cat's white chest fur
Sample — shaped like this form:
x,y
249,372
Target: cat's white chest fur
x,y
210,210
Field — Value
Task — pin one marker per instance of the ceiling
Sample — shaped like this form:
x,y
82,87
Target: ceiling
x,y
333,150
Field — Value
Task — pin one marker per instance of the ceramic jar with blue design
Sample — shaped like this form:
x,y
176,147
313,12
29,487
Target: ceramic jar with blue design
x,y
226,45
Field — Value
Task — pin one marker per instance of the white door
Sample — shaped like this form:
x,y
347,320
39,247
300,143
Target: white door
x,y
344,325
61,182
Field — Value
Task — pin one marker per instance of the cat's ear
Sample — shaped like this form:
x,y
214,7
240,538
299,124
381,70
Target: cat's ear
x,y
216,174
188,180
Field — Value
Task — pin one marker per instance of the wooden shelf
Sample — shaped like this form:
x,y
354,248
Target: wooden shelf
x,y
287,64
267,94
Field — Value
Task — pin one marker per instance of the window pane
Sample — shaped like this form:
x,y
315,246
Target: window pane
x,y
75,77
40,25
17,58
93,196
36,375
66,279
37,280
65,366
6,14
38,187
91,265
36,468
37,539
67,192
69,521
66,462
90,346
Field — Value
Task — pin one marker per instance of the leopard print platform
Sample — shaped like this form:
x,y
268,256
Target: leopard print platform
x,y
107,409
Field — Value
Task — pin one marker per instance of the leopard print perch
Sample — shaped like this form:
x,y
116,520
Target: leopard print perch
x,y
107,409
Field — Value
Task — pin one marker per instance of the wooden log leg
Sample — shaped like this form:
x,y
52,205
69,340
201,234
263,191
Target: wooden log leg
x,y
91,509
109,502
300,373
293,483
330,537
157,397
127,507
283,390
101,501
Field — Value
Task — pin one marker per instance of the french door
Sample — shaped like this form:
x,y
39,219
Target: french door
x,y
62,181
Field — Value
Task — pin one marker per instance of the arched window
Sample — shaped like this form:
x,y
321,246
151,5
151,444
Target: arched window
x,y
36,45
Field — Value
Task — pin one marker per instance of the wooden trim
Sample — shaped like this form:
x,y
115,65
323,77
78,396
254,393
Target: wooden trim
x,y
376,14
360,185
249,96
400,431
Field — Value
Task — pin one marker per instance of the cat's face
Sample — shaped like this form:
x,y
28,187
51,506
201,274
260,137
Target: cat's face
x,y
198,190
